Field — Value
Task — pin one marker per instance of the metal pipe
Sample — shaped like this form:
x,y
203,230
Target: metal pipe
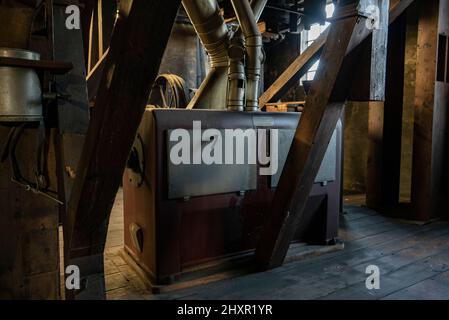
x,y
236,74
213,33
257,6
236,70
253,44
212,30
212,92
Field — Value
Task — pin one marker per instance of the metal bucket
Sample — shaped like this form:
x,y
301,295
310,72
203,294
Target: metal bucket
x,y
20,90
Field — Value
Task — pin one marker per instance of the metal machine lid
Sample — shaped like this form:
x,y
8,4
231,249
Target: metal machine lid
x,y
19,53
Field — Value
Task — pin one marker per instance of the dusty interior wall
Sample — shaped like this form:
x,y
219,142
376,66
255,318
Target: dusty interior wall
x,y
409,104
356,147
183,55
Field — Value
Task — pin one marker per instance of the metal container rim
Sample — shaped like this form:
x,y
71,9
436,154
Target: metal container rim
x,y
19,53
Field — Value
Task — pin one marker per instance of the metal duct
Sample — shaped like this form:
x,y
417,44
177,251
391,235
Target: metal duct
x,y
236,74
236,70
212,30
213,33
253,44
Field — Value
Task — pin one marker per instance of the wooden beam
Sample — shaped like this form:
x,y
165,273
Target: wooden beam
x,y
375,168
100,27
311,140
294,72
73,114
299,67
440,143
425,170
95,71
421,195
86,19
93,50
94,77
369,82
385,127
137,45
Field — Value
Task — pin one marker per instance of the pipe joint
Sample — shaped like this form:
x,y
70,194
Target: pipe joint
x,y
254,56
236,75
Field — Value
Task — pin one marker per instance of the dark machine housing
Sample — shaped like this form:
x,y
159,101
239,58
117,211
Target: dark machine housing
x,y
180,217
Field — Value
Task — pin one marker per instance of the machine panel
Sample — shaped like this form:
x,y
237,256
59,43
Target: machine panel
x,y
189,180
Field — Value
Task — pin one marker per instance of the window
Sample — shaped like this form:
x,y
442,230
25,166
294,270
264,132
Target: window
x,y
309,36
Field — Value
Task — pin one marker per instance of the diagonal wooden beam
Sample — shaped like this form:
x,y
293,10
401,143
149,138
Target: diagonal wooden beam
x,y
303,62
290,77
137,45
311,139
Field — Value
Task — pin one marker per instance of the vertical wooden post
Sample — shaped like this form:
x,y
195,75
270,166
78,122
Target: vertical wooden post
x,y
425,140
374,168
408,109
384,127
441,117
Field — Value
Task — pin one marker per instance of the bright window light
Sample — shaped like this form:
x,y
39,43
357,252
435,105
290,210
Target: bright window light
x,y
309,36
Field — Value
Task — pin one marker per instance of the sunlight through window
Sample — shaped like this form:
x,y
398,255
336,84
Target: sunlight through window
x,y
309,36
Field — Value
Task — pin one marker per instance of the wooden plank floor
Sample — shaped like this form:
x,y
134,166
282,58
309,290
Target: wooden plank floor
x,y
413,261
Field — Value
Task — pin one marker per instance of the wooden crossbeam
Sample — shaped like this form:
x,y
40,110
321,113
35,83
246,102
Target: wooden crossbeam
x,y
137,45
312,137
290,77
303,62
